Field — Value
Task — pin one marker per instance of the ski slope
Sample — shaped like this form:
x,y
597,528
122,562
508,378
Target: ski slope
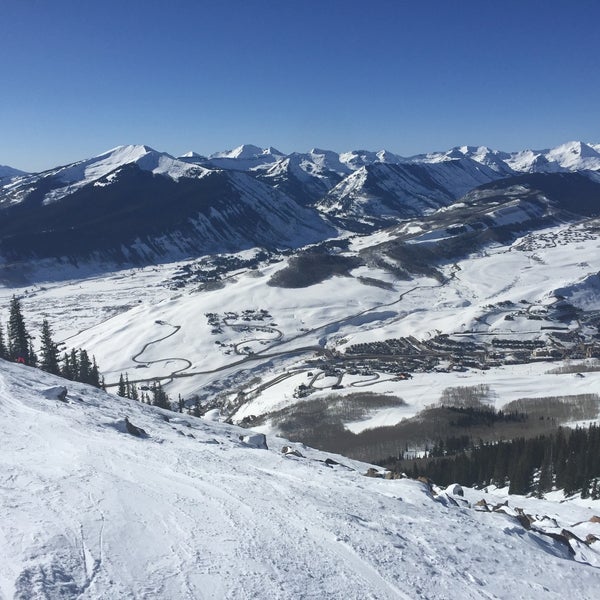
x,y
193,511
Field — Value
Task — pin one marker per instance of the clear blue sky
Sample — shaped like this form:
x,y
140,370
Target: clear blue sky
x,y
81,77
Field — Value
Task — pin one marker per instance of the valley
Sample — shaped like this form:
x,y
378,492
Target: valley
x,y
397,278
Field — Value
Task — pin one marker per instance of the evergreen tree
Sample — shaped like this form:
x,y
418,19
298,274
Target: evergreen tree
x,y
74,362
85,367
49,351
3,348
66,371
160,397
122,390
18,338
95,375
544,483
133,392
127,386
32,358
197,412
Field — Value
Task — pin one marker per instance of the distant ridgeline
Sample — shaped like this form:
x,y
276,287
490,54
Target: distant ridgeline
x,y
18,347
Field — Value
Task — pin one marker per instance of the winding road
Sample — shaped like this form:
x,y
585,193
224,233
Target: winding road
x,y
267,353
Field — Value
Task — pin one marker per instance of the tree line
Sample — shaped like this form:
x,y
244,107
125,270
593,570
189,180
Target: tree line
x,y
567,459
156,396
76,365
17,346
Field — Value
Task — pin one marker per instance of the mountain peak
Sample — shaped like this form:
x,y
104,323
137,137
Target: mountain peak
x,y
9,172
245,151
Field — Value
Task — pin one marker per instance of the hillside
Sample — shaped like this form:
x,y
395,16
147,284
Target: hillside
x,y
198,509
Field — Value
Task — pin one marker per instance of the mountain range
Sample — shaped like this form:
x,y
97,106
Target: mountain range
x,y
135,205
372,306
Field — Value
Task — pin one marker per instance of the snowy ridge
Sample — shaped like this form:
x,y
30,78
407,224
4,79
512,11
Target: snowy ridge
x,y
146,158
100,170
584,293
355,191
572,156
200,509
404,189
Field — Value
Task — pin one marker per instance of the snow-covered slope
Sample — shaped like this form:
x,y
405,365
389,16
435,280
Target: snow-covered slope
x,y
161,206
384,190
494,159
302,178
197,509
246,157
149,209
58,183
572,156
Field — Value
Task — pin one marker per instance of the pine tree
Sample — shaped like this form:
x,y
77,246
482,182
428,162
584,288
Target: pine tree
x,y
32,358
133,392
95,375
74,363
127,386
544,483
49,351
122,390
85,367
18,338
66,371
197,412
160,397
3,349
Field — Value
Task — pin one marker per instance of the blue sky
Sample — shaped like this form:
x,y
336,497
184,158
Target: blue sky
x,y
79,77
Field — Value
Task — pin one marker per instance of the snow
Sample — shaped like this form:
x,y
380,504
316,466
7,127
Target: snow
x,y
132,313
101,169
192,511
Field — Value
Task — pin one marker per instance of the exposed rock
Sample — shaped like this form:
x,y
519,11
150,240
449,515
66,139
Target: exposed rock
x,y
371,472
134,430
455,489
255,440
482,506
289,451
591,539
524,520
569,535
58,392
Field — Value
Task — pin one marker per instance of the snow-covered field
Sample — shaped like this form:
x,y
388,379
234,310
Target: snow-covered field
x,y
134,323
193,511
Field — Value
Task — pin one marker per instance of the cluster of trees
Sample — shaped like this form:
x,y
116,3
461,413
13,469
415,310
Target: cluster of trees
x,y
567,459
154,395
76,365
18,347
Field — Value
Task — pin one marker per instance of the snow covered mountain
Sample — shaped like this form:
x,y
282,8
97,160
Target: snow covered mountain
x,y
376,193
103,497
572,156
136,205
